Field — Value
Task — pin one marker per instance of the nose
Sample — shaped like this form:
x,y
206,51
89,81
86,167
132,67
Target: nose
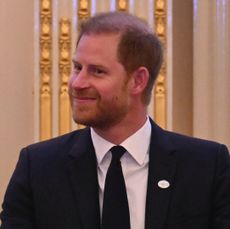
x,y
79,80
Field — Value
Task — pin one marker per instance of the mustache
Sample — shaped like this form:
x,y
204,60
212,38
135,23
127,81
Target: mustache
x,y
84,93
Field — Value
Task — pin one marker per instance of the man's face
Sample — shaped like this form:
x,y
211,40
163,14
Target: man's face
x,y
99,85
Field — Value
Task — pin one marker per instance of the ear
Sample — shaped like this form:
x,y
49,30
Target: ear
x,y
140,80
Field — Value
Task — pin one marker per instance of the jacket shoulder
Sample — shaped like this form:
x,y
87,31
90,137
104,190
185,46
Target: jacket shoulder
x,y
57,145
194,145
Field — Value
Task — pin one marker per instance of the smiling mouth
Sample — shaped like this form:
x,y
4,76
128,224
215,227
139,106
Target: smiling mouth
x,y
84,99
83,96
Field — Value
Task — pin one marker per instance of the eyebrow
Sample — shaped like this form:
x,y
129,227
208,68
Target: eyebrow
x,y
91,65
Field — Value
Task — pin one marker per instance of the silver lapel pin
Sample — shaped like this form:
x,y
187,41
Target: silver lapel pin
x,y
163,184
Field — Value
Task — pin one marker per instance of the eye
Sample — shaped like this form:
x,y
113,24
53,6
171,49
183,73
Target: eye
x,y
97,71
77,67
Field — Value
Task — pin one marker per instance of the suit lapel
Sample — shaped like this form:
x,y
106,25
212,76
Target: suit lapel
x,y
83,176
162,167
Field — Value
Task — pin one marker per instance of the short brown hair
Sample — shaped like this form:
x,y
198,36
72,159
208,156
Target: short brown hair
x,y
138,45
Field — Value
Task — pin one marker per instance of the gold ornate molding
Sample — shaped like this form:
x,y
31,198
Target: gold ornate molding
x,y
160,88
83,13
45,68
64,72
83,9
122,5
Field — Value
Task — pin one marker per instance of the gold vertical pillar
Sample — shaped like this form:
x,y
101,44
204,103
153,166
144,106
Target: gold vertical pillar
x,y
45,69
83,13
122,5
64,72
160,87
83,9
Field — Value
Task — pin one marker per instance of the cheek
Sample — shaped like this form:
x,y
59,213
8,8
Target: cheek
x,y
116,95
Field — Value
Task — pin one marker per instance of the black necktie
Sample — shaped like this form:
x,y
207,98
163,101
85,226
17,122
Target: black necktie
x,y
115,212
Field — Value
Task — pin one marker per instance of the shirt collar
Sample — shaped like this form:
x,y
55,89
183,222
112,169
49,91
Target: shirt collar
x,y
101,145
137,144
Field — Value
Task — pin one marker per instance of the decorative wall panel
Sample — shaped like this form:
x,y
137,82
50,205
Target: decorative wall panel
x,y
84,9
58,26
45,68
64,73
84,12
160,87
122,5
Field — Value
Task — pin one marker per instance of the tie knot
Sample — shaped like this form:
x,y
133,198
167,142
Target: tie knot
x,y
117,152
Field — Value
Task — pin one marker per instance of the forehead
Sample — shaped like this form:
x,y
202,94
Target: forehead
x,y
104,45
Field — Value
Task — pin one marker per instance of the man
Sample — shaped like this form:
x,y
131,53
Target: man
x,y
171,181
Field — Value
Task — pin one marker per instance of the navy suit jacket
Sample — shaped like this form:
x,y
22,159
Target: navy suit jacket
x,y
55,186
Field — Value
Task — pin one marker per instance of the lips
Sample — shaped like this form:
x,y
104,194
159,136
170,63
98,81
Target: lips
x,y
82,99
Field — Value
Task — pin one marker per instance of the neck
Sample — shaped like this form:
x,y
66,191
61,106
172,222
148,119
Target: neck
x,y
121,131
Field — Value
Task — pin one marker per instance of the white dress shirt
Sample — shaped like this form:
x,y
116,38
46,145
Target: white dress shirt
x,y
134,166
